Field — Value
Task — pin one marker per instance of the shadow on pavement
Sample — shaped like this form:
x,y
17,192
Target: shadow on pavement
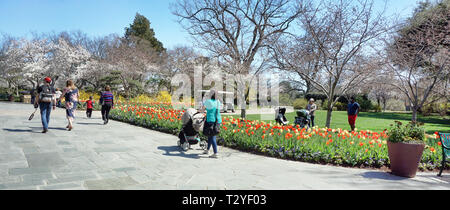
x,y
177,151
50,128
89,123
382,175
20,130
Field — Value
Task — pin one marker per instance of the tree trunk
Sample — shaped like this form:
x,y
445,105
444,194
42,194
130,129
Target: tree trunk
x,y
414,114
328,122
329,113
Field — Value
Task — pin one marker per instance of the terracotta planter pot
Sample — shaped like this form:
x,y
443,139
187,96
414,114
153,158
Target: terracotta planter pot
x,y
405,158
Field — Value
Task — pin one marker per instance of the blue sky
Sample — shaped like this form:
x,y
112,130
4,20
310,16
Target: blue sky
x,y
104,17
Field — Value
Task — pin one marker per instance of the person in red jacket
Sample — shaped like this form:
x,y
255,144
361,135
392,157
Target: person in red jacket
x,y
89,107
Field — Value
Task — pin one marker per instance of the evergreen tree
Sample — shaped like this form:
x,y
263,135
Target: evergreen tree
x,y
141,33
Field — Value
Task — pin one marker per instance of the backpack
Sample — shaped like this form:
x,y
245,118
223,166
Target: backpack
x,y
46,95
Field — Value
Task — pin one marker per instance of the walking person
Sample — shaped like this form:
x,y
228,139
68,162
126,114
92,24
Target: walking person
x,y
45,99
107,102
311,107
89,107
71,96
213,121
58,94
352,112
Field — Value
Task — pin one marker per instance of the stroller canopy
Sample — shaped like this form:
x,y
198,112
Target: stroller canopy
x,y
302,113
196,117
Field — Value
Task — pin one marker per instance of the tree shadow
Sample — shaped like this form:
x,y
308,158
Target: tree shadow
x,y
404,117
177,151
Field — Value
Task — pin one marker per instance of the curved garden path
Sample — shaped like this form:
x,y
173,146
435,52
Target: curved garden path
x,y
121,156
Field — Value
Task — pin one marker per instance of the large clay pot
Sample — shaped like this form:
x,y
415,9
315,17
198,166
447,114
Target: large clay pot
x,y
405,158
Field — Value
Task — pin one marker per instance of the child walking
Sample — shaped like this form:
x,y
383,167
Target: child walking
x,y
89,107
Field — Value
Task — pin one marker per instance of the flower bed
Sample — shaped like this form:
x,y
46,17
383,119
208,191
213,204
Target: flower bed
x,y
318,145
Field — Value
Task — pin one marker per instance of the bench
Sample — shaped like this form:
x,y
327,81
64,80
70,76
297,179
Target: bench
x,y
445,143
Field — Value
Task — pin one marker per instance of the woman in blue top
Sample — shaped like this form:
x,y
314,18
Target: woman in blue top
x,y
212,114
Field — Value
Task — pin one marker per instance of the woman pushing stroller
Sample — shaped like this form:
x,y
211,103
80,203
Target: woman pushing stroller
x,y
213,121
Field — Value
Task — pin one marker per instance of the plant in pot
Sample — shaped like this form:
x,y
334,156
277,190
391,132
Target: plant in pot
x,y
405,148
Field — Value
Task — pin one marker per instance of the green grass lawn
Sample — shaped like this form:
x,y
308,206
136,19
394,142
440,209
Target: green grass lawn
x,y
371,121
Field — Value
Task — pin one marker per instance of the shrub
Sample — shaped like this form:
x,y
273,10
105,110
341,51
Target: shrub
x,y
84,95
412,132
341,106
285,100
443,109
300,103
377,108
364,102
164,97
324,105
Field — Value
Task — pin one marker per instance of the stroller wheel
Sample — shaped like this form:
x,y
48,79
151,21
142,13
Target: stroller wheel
x,y
203,145
185,146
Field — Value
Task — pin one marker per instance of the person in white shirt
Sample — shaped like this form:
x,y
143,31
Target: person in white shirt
x,y
311,107
58,94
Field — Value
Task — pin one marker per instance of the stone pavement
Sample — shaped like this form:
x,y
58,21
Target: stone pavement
x,y
120,156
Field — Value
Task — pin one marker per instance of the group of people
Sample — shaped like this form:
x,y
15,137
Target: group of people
x,y
352,112
47,98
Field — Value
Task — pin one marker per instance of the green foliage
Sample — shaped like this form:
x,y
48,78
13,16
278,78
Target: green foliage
x,y
341,106
316,96
364,102
377,108
135,87
324,105
300,103
441,108
285,99
113,79
142,30
412,132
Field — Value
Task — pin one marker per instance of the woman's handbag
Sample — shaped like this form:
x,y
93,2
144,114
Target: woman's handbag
x,y
212,129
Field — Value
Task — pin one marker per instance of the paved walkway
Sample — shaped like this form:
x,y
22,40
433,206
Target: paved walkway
x,y
121,156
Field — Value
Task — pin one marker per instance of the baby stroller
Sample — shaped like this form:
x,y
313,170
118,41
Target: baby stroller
x,y
303,118
280,116
192,125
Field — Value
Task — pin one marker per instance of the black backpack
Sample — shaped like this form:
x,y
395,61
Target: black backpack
x,y
46,94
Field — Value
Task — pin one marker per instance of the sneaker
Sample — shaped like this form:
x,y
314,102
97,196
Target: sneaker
x,y
45,131
206,152
214,155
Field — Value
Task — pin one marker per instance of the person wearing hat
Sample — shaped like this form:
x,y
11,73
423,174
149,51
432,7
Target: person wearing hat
x,y
311,107
45,99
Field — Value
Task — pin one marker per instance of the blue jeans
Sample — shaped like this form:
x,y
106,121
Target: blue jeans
x,y
212,141
45,108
